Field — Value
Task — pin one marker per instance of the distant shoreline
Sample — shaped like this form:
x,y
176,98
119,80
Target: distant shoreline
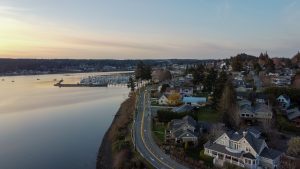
x,y
41,74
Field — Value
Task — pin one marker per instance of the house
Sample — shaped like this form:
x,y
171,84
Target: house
x,y
189,77
244,149
294,116
241,95
163,100
186,91
194,101
284,100
263,111
183,130
261,98
258,111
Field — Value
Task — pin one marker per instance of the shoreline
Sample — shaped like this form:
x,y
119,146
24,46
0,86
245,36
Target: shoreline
x,y
66,73
108,157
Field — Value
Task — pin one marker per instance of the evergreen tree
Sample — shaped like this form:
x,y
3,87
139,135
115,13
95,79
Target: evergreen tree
x,y
131,84
143,71
209,81
228,108
219,87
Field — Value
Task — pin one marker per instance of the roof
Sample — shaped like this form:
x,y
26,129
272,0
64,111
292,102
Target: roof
x,y
236,136
183,108
194,99
189,120
270,153
262,108
178,123
222,149
286,97
254,142
244,101
178,130
293,113
184,133
248,155
254,130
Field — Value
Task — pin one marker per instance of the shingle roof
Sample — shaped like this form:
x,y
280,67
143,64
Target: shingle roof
x,y
255,143
285,96
293,113
184,133
236,136
183,108
189,120
176,126
222,149
244,102
254,130
270,153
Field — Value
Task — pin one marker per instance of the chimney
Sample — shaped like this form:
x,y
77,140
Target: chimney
x,y
244,133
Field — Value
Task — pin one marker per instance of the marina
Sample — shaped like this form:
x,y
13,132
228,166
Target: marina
x,y
98,81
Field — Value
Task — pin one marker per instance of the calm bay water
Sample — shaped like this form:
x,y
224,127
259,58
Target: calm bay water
x,y
46,127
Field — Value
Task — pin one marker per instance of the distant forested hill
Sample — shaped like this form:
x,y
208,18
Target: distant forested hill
x,y
31,66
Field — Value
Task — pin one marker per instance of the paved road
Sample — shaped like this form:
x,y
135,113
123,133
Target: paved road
x,y
144,142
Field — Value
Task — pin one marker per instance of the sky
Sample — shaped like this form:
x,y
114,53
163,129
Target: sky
x,y
153,29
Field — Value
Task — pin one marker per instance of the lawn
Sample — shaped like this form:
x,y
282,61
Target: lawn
x,y
208,114
193,153
159,132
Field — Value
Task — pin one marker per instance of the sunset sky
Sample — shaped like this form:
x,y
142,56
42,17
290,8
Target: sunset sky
x,y
130,29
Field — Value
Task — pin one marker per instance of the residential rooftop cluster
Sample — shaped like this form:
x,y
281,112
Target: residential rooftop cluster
x,y
243,111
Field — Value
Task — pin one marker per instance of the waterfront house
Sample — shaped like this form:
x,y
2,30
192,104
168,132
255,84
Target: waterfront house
x,y
284,100
183,130
245,149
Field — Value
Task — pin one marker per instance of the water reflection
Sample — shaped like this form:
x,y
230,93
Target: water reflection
x,y
42,126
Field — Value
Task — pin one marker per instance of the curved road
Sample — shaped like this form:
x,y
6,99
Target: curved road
x,y
143,140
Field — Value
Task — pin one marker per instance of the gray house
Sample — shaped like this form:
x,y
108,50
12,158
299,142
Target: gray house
x,y
259,111
183,130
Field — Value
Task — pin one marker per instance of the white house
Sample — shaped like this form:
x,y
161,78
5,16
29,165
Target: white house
x,y
284,101
243,149
163,100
